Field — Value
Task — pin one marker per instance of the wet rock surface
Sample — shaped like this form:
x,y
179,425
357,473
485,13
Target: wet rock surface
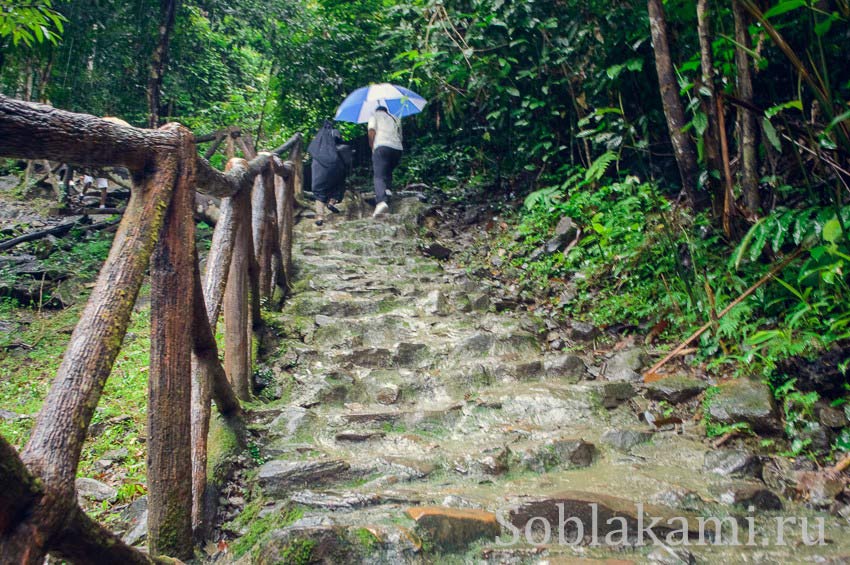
x,y
418,403
95,490
624,440
745,401
675,389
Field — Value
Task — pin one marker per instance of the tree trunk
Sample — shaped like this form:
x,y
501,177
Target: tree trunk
x,y
28,80
207,372
711,139
170,383
44,78
219,258
746,118
168,10
675,114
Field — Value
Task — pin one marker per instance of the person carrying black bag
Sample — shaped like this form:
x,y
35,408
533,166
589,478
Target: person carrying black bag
x,y
329,169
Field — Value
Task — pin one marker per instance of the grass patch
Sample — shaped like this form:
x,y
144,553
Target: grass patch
x,y
298,552
365,539
119,421
259,526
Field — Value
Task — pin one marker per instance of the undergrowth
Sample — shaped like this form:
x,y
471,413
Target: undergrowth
x,y
641,264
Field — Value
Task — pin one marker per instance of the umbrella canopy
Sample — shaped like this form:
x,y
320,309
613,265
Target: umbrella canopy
x,y
359,106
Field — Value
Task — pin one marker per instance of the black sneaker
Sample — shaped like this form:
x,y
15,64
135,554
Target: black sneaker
x,y
332,208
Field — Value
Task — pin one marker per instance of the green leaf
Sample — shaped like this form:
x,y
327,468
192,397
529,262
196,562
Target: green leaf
x,y
823,27
635,65
771,135
512,91
700,122
795,104
832,231
784,7
614,71
838,120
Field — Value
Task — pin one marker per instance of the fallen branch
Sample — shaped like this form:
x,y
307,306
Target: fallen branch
x,y
842,465
649,375
97,211
58,230
724,438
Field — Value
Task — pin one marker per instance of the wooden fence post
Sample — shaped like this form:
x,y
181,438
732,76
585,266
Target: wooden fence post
x,y
286,213
237,343
41,513
269,257
56,440
297,158
218,266
170,384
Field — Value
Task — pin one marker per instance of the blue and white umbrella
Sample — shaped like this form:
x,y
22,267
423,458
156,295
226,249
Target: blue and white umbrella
x,y
359,106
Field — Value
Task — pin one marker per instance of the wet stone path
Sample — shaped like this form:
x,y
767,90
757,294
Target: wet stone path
x,y
418,419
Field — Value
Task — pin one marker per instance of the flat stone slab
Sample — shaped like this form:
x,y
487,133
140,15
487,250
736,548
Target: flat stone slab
x,y
358,436
732,462
624,440
324,544
613,394
608,514
565,366
371,417
291,420
745,401
675,389
453,528
280,476
754,495
95,490
331,501
564,453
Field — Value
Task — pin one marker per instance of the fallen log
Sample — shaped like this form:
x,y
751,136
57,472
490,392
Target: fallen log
x,y
58,230
97,211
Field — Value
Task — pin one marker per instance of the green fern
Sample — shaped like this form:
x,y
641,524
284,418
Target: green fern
x,y
598,168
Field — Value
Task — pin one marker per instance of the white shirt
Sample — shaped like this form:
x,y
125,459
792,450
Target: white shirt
x,y
387,130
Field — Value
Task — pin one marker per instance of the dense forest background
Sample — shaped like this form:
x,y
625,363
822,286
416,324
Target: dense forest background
x,y
694,145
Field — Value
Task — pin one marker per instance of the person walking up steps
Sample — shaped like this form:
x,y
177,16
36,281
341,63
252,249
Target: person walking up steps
x,y
385,140
329,169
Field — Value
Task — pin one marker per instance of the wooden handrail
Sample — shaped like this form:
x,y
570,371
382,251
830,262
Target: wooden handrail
x,y
166,169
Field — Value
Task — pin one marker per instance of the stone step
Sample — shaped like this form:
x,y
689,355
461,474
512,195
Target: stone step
x,y
416,409
281,476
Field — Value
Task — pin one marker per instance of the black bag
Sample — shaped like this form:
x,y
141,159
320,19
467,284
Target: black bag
x,y
328,167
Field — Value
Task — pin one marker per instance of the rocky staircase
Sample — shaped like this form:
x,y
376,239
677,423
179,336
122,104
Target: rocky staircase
x,y
417,418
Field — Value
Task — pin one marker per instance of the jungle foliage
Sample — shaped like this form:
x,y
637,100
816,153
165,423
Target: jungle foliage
x,y
542,109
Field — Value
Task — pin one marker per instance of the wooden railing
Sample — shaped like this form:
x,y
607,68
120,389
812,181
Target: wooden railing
x,y
250,260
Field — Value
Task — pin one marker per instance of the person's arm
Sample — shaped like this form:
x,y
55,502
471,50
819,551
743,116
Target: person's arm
x,y
372,127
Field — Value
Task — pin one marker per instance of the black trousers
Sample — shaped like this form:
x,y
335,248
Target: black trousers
x,y
384,161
